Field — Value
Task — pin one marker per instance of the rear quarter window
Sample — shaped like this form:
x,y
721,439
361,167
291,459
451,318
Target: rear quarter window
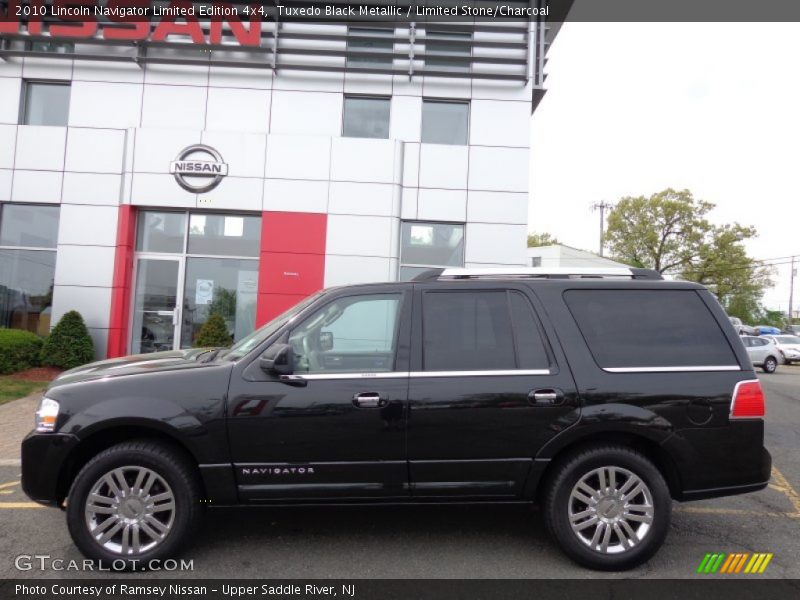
x,y
649,328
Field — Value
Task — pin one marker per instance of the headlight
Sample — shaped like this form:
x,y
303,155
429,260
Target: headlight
x,y
46,415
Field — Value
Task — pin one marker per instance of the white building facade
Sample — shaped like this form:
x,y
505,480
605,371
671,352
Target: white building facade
x,y
146,185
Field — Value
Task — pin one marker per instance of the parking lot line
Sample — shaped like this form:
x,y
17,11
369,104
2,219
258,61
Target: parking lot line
x,y
8,484
786,489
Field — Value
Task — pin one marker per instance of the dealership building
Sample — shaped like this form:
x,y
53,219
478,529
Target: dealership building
x,y
151,174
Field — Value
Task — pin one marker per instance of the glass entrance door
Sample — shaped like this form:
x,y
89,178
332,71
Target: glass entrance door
x,y
156,309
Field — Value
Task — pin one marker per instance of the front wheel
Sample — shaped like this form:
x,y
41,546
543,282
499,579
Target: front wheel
x,y
134,503
770,364
609,508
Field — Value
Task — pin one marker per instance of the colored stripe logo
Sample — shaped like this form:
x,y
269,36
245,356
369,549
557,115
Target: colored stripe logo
x,y
738,562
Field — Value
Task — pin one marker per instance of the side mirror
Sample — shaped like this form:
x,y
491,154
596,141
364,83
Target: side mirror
x,y
326,340
278,360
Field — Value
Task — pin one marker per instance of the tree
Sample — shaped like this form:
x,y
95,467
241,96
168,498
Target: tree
x,y
723,266
224,303
669,232
660,232
541,239
69,344
213,333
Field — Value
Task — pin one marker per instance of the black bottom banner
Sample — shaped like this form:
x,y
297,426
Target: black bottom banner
x,y
402,589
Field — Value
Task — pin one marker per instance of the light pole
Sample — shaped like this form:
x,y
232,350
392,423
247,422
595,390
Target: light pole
x,y
602,206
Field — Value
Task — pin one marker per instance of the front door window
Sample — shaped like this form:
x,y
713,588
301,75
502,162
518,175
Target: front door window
x,y
354,334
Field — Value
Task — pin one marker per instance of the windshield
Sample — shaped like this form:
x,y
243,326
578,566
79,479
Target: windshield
x,y
246,344
787,339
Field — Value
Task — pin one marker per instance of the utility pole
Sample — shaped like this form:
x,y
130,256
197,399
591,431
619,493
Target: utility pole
x,y
792,273
602,206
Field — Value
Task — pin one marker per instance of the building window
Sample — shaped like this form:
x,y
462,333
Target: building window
x,y
28,237
52,47
457,45
428,246
45,103
193,265
366,117
378,41
445,122
536,261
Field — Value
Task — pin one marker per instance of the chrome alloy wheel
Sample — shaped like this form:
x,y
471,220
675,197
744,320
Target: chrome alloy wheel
x,y
130,510
611,510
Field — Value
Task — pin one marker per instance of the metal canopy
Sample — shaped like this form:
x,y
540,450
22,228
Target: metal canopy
x,y
498,50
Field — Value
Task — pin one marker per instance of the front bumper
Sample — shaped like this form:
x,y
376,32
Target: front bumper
x,y
44,456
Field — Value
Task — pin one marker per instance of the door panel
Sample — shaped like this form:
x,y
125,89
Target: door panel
x,y
474,430
155,306
313,442
332,432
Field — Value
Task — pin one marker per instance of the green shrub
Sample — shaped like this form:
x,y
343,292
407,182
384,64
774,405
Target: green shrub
x,y
213,332
19,350
69,344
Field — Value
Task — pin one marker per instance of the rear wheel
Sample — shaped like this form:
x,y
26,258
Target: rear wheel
x,y
134,502
609,508
770,364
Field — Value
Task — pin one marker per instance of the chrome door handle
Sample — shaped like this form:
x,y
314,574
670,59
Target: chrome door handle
x,y
368,400
546,397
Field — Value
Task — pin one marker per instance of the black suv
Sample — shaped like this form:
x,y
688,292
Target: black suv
x,y
601,395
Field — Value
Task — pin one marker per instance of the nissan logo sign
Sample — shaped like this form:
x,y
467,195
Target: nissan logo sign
x,y
193,170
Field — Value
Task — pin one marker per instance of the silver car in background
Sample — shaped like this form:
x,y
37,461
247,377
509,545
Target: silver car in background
x,y
741,328
763,352
788,346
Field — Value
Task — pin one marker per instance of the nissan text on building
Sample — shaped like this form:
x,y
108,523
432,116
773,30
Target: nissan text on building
x,y
155,171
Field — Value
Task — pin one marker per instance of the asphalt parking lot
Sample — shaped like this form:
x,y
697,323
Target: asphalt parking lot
x,y
448,542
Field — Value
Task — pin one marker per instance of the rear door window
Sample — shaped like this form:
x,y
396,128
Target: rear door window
x,y
473,331
649,328
467,331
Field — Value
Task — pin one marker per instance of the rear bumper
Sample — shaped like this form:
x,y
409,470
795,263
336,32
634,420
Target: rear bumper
x,y
43,458
758,476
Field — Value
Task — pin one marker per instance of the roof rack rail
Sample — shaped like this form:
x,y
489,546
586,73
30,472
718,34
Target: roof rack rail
x,y
539,273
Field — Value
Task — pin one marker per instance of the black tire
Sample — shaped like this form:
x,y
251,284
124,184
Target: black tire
x,y
770,364
557,501
167,463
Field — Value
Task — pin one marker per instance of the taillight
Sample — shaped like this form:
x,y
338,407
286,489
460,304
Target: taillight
x,y
748,400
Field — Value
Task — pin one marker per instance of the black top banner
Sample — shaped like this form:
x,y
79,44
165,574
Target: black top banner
x,y
402,11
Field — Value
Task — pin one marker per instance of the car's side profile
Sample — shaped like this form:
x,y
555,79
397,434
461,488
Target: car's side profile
x,y
529,386
763,352
788,346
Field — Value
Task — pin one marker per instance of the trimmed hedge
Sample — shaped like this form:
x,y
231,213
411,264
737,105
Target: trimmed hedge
x,y
213,333
19,350
69,344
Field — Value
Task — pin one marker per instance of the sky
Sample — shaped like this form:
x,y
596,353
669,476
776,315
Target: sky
x,y
633,108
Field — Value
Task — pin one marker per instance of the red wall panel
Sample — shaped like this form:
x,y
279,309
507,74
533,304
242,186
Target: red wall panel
x,y
123,280
292,262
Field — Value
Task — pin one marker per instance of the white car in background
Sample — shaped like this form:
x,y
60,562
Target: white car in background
x,y
763,352
788,346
